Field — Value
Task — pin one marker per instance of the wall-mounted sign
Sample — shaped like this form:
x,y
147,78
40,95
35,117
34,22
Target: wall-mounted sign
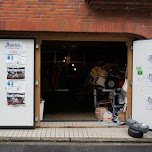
x,y
17,82
142,82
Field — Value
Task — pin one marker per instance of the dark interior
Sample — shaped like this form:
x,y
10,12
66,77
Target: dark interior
x,y
66,87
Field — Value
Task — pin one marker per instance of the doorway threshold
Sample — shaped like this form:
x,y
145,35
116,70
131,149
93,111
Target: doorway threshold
x,y
62,90
76,124
69,120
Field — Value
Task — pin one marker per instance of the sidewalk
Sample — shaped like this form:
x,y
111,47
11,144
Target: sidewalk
x,y
73,132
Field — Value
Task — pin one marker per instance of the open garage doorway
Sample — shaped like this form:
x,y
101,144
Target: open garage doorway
x,y
66,84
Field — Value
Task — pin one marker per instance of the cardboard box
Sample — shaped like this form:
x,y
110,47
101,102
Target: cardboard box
x,y
122,116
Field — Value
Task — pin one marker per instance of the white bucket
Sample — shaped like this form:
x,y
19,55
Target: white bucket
x,y
41,109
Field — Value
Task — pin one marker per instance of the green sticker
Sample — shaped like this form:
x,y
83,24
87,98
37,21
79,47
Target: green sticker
x,y
139,70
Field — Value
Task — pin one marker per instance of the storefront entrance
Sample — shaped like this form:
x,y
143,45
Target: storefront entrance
x,y
66,76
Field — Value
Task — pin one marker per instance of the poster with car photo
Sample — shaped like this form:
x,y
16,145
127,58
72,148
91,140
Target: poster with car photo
x,y
16,99
15,73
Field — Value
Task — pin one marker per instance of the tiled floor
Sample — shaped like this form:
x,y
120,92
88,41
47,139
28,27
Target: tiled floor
x,y
70,133
64,130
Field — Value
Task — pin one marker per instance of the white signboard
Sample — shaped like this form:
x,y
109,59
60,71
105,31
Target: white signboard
x,y
142,82
17,83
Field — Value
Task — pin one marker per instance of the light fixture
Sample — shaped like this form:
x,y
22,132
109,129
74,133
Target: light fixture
x,y
37,46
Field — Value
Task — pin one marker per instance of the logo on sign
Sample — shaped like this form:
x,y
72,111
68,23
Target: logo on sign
x,y
10,83
10,57
12,45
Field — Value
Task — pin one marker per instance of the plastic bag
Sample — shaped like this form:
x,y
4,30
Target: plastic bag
x,y
121,97
99,112
107,116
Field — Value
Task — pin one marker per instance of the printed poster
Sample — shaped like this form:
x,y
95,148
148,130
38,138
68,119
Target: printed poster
x,y
149,78
16,86
15,98
14,47
148,102
15,60
15,73
149,61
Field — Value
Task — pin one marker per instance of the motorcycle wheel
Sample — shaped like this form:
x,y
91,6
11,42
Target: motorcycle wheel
x,y
111,82
134,133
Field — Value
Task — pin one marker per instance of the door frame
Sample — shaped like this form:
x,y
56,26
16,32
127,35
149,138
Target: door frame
x,y
38,82
83,37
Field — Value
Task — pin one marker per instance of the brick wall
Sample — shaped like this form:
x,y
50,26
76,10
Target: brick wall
x,y
69,16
